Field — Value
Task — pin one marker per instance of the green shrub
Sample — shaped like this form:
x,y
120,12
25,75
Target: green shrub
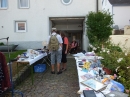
x,y
1,43
99,26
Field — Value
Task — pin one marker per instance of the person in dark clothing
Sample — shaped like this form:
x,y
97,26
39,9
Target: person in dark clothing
x,y
64,50
74,46
4,79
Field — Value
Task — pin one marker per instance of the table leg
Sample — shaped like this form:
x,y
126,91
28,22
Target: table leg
x,y
45,60
32,76
18,73
48,60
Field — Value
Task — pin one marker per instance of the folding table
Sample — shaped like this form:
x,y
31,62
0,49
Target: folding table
x,y
30,61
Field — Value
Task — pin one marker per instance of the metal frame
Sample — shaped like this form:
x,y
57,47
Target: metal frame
x,y
47,58
10,67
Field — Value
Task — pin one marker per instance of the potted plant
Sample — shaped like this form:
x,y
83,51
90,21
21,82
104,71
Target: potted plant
x,y
111,53
110,61
123,71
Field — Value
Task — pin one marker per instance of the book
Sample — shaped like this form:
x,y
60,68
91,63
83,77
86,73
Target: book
x,y
86,76
80,63
94,84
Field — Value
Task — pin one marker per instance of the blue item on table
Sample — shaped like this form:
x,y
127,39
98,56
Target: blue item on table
x,y
85,70
96,64
117,86
40,68
24,53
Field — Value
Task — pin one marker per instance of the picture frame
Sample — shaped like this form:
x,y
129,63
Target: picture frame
x,y
94,84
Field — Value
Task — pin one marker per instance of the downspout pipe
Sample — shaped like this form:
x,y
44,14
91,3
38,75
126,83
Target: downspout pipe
x,y
112,13
96,5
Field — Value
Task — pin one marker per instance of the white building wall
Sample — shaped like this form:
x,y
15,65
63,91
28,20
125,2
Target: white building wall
x,y
107,6
37,17
121,16
99,4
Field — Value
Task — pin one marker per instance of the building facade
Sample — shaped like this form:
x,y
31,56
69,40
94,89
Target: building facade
x,y
28,22
120,11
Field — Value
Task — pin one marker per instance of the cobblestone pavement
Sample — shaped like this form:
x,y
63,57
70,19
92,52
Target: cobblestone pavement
x,y
52,85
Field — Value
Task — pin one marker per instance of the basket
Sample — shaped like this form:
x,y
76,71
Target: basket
x,y
40,68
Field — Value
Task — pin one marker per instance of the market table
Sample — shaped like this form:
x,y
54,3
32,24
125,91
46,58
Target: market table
x,y
83,87
31,61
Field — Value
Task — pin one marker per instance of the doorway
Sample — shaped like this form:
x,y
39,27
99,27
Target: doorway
x,y
73,26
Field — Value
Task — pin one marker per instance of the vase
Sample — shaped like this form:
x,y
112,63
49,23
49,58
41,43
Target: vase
x,y
108,71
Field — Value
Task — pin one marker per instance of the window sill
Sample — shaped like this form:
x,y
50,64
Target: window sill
x,y
23,7
3,8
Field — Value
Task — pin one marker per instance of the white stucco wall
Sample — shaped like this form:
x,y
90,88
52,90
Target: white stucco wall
x,y
99,4
121,16
37,17
122,40
107,6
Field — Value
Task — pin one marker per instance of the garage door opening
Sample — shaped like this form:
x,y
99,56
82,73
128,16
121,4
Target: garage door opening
x,y
72,26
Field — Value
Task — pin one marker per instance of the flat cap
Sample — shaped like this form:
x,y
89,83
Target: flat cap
x,y
54,29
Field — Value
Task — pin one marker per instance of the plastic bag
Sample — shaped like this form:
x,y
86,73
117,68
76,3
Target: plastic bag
x,y
117,86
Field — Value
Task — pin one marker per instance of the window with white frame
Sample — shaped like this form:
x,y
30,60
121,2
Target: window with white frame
x,y
23,3
3,4
20,26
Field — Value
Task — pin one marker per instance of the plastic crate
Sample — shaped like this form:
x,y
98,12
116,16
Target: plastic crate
x,y
40,68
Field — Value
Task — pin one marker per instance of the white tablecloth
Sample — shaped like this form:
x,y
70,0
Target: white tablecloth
x,y
82,87
31,61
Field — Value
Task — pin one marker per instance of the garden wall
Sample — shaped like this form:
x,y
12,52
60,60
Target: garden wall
x,y
122,40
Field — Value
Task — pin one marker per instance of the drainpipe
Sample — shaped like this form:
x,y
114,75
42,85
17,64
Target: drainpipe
x,y
112,13
96,5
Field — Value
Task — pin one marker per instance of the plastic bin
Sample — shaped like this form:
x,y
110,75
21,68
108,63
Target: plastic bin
x,y
40,68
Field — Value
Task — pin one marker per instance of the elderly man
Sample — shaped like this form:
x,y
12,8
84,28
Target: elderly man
x,y
56,54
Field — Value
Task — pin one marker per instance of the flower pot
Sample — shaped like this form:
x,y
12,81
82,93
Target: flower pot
x,y
108,71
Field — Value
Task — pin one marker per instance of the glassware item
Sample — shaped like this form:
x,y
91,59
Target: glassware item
x,y
32,57
99,78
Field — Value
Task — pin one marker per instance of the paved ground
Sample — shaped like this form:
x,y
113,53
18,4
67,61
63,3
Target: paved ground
x,y
53,85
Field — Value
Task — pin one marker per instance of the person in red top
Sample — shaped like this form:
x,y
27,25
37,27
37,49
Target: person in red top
x,y
64,50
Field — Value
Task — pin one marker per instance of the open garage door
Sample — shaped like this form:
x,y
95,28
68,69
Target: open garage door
x,y
72,26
